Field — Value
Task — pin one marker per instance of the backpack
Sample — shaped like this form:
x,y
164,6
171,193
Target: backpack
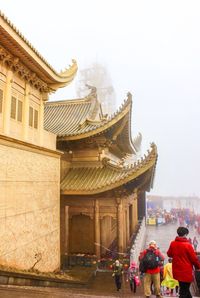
x,y
149,261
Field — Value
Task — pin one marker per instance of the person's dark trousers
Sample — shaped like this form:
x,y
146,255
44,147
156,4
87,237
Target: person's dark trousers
x,y
184,289
118,282
133,285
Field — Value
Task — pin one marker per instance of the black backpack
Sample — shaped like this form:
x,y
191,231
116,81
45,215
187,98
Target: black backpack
x,y
150,261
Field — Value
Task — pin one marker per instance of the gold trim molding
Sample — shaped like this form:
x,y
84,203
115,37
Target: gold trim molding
x,y
11,142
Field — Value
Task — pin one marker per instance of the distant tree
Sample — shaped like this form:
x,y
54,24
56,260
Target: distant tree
x,y
97,75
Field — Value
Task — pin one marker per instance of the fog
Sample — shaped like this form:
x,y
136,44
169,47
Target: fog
x,y
150,48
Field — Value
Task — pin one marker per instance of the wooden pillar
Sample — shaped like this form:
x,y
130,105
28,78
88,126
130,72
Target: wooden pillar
x,y
7,103
127,226
134,221
41,122
136,210
124,226
141,205
66,229
120,225
97,229
26,112
133,217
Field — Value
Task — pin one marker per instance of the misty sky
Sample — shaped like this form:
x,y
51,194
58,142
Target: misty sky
x,y
150,48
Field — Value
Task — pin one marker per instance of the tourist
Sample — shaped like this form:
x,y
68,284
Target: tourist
x,y
150,260
183,259
168,281
195,243
117,274
132,276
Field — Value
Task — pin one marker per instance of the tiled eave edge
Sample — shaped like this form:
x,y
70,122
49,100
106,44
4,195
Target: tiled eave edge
x,y
138,170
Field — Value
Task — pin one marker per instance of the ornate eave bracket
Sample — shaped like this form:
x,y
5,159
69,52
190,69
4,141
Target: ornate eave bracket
x,y
14,63
20,69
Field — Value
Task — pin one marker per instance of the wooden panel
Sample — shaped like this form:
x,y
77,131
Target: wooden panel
x,y
19,111
13,107
81,234
31,116
35,119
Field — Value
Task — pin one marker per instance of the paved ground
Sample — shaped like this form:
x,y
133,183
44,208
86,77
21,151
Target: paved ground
x,y
163,235
103,286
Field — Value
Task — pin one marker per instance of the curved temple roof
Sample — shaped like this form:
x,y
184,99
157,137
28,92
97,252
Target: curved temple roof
x,y
69,119
23,52
94,180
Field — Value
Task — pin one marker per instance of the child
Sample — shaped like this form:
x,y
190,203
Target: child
x,y
168,281
132,277
117,274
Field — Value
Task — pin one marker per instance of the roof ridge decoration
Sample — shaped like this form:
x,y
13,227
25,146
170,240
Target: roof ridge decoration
x,y
110,176
59,80
95,108
132,166
95,105
122,107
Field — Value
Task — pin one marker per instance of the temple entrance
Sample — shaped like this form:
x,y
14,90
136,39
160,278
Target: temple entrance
x,y
81,234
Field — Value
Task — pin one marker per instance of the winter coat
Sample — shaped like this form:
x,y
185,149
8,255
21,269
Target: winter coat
x,y
131,273
158,253
184,258
117,270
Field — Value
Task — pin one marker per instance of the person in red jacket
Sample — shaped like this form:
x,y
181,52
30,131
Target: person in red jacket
x,y
183,259
152,275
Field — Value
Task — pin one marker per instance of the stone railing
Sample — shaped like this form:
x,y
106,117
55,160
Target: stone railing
x,y
138,243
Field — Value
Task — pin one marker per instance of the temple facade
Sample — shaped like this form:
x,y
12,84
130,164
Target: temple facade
x,y
29,160
103,180
72,179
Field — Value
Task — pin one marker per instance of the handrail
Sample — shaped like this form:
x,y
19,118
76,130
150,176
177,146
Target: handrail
x,y
138,243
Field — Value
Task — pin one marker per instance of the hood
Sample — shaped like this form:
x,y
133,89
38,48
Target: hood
x,y
181,239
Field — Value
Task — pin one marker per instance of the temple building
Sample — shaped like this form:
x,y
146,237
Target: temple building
x,y
29,160
72,179
102,192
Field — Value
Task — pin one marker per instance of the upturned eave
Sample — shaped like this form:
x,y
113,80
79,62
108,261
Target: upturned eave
x,y
13,41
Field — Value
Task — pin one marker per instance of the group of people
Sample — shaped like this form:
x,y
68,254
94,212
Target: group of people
x,y
174,277
184,217
187,217
161,216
